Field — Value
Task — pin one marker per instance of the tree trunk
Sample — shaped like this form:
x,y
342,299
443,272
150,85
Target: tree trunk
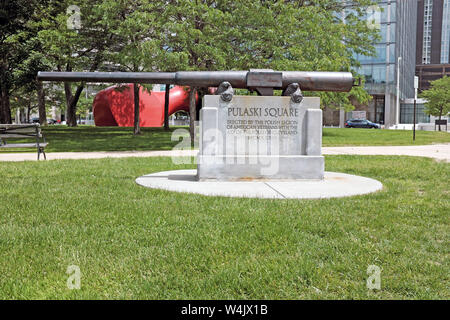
x,y
166,107
28,112
72,100
137,129
5,108
192,114
41,104
440,117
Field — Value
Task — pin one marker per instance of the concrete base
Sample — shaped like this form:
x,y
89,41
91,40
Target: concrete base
x,y
244,168
334,185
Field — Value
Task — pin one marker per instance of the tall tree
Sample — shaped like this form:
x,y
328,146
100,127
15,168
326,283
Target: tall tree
x,y
167,35
278,34
75,36
196,37
438,98
14,17
26,78
134,24
303,35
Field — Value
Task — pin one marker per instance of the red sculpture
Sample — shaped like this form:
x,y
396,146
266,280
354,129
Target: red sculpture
x,y
114,106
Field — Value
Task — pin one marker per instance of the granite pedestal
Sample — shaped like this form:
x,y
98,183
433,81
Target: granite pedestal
x,y
260,137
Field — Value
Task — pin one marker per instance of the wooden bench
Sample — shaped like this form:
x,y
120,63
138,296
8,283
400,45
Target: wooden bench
x,y
22,131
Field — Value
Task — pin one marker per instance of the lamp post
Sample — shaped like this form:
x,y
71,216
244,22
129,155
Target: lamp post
x,y
397,115
416,86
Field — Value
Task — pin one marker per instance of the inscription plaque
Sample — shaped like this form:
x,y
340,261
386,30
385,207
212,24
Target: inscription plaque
x,y
255,137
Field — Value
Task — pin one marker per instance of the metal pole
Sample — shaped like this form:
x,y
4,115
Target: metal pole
x,y
397,116
166,107
137,129
192,113
414,121
416,86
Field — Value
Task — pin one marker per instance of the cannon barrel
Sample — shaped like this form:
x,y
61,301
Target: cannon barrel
x,y
308,81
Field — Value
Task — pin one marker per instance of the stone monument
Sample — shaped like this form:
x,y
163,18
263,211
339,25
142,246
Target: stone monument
x,y
262,146
260,137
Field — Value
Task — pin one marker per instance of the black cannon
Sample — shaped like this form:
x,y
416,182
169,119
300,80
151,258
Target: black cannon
x,y
263,81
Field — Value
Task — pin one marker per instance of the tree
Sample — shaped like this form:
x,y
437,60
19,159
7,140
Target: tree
x,y
279,35
14,33
25,102
25,75
438,98
304,35
75,35
135,28
169,35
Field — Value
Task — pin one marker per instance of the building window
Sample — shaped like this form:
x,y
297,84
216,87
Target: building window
x,y
366,71
380,50
407,113
384,12
392,53
445,41
393,12
427,19
392,33
383,32
379,73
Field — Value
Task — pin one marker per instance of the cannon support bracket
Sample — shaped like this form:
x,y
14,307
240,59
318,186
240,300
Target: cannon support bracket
x,y
225,90
294,91
264,78
263,81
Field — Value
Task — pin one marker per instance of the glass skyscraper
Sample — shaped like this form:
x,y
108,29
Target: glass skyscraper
x,y
433,41
445,38
396,22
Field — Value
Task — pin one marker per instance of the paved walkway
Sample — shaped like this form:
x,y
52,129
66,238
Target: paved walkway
x,y
437,151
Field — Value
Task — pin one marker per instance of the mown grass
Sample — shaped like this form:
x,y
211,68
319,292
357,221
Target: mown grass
x,y
136,243
90,138
337,137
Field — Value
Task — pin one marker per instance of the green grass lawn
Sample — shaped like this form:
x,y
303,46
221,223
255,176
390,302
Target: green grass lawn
x,y
134,242
90,138
339,137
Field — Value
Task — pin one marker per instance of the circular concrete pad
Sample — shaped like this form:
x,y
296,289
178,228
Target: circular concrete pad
x,y
334,185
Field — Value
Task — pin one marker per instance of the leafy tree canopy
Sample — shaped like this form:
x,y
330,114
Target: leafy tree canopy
x,y
168,35
438,97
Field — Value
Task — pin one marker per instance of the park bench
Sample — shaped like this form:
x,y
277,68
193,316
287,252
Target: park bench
x,y
23,131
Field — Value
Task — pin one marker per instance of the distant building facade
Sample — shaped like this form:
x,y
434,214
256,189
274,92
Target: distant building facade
x,y
395,51
396,22
433,41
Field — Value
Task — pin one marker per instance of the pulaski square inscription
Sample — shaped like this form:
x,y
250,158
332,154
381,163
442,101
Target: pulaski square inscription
x,y
255,137
286,127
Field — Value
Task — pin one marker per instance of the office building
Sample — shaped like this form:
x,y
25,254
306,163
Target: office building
x,y
396,23
433,41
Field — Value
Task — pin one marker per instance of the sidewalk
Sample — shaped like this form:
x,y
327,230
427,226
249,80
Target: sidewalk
x,y
439,152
